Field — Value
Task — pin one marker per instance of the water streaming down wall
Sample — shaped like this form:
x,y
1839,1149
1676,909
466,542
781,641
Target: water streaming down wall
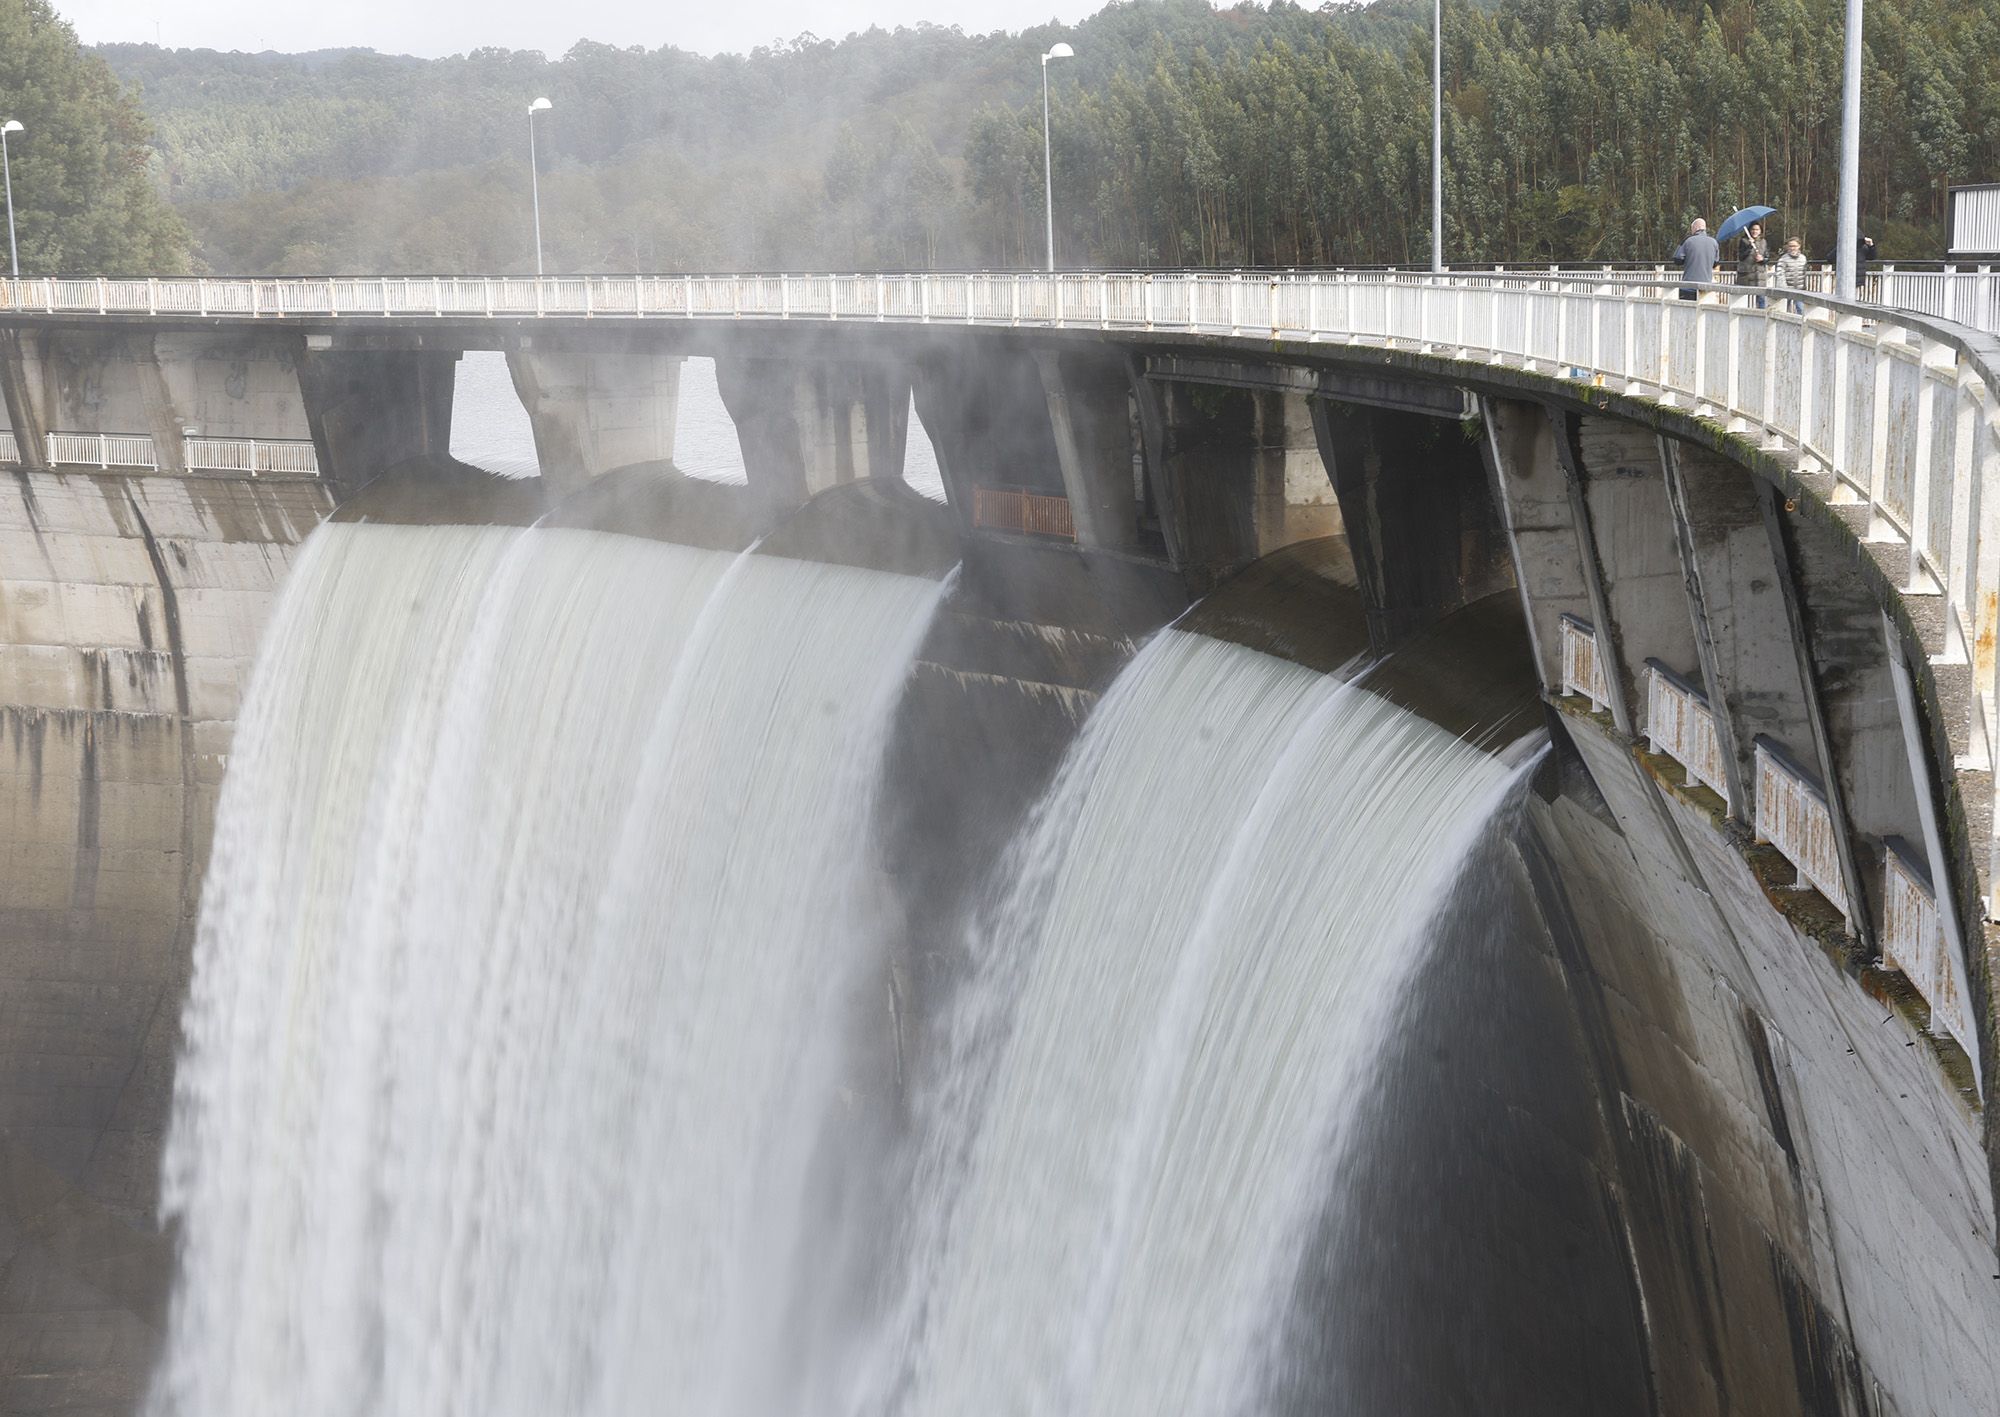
x,y
1145,1086
543,895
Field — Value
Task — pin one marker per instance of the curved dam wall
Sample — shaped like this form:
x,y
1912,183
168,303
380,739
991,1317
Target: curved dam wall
x,y
1652,1133
131,609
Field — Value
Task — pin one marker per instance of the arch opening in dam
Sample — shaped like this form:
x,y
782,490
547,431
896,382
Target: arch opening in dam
x,y
1267,897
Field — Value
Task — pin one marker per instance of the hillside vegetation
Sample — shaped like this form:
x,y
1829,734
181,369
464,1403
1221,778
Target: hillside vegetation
x,y
1575,129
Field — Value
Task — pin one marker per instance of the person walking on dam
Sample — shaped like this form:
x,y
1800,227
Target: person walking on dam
x,y
1753,258
1792,271
1697,254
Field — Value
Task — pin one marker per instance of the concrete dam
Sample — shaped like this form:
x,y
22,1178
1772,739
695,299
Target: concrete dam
x,y
1392,846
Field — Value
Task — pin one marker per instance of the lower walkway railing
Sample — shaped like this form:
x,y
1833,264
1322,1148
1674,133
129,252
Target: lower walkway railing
x,y
293,457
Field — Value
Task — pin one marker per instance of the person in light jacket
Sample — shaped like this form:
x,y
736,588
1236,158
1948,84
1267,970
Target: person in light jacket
x,y
1792,271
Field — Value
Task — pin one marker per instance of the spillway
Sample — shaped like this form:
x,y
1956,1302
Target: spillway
x,y
1143,1096
541,905
540,1056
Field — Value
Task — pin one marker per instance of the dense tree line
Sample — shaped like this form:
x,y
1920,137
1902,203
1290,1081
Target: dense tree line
x,y
1575,129
83,196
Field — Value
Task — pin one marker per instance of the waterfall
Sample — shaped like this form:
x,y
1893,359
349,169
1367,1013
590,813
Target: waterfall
x,y
1139,1104
520,1049
538,1057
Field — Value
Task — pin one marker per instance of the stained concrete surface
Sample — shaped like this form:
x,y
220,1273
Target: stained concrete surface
x,y
130,613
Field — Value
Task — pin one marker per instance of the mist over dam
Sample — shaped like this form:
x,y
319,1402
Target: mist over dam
x,y
1333,871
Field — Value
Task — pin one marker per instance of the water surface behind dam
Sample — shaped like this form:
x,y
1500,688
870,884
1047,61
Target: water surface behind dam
x,y
490,429
541,1052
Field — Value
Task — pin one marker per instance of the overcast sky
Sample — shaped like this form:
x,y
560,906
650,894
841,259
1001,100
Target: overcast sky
x,y
433,27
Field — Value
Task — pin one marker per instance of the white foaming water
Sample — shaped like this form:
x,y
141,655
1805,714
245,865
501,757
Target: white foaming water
x,y
1143,1094
541,897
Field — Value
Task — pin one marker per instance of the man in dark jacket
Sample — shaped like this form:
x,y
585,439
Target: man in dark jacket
x,y
1864,252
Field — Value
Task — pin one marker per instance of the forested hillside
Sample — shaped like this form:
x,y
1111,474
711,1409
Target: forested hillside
x,y
83,199
1575,129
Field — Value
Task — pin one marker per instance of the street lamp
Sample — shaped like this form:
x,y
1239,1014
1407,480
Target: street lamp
x,y
1437,138
12,125
1060,51
1847,221
540,105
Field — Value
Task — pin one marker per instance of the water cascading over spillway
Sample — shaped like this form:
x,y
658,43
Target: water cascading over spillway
x,y
1146,1083
541,910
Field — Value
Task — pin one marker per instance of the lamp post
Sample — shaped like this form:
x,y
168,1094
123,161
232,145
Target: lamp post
x,y
1437,138
1847,238
540,105
1058,51
12,125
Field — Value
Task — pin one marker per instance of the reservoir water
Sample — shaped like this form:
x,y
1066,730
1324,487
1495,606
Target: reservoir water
x,y
489,428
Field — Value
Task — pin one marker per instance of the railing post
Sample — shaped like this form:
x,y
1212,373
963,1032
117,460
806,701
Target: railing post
x,y
103,442
1768,390
1700,351
1808,384
253,457
541,299
1104,302
589,307
1235,302
486,290
437,296
101,295
1878,433
1732,328
1843,402
881,297
201,293
1920,468
152,295
1014,291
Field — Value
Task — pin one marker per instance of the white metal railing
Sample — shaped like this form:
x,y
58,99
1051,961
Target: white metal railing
x,y
1900,410
101,450
1967,294
1913,941
10,451
1792,815
250,456
255,456
1680,724
1582,664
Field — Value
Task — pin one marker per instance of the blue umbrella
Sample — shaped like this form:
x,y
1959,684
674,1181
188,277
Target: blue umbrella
x,y
1738,220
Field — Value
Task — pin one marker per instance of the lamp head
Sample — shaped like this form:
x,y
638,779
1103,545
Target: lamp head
x,y
540,105
12,125
1059,51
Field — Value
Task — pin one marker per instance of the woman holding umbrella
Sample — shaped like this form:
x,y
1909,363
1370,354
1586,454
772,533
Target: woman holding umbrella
x,y
1753,252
